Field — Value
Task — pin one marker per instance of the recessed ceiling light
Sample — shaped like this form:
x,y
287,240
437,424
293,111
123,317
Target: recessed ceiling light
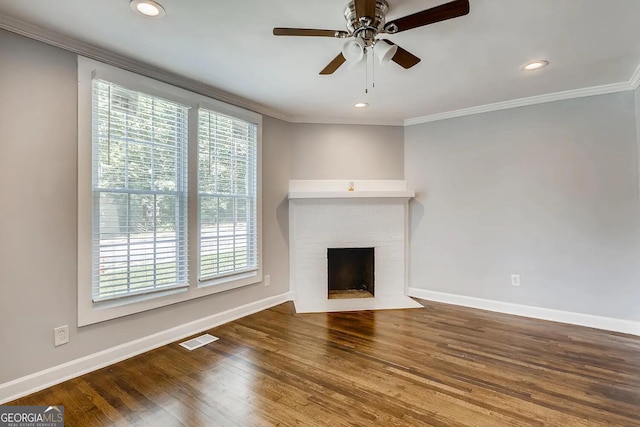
x,y
535,65
361,105
148,8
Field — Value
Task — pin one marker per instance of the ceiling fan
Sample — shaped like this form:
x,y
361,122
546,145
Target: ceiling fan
x,y
366,19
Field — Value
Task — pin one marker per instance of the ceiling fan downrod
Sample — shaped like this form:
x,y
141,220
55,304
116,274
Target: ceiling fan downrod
x,y
366,19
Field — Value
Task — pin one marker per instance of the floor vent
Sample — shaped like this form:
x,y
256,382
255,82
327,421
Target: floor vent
x,y
194,343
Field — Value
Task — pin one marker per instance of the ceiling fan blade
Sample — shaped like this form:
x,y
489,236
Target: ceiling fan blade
x,y
334,65
365,8
308,32
443,12
402,57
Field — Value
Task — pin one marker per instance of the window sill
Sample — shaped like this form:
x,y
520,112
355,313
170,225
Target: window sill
x,y
90,312
132,299
227,283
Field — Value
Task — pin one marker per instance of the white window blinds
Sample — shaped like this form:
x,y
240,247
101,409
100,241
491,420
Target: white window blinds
x,y
139,192
227,193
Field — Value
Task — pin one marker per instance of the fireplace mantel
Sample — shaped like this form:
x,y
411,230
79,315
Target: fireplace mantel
x,y
343,189
331,214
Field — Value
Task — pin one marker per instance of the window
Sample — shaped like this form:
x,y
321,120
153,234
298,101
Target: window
x,y
139,192
226,195
168,194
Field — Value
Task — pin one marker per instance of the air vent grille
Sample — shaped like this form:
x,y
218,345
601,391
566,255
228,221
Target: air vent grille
x,y
197,342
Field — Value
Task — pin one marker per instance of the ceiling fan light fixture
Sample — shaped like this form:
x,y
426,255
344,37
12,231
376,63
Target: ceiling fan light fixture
x,y
385,52
361,105
148,8
535,65
353,50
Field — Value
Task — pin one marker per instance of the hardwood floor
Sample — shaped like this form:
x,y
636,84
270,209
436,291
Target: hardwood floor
x,y
441,366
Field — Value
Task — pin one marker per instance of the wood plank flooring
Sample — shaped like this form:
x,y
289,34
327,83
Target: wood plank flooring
x,y
439,366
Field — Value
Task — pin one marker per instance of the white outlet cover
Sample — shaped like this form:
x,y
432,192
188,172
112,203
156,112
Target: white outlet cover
x,y
515,280
60,335
198,342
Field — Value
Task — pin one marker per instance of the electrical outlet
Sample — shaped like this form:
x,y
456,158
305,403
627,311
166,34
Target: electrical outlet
x,y
61,335
267,280
515,280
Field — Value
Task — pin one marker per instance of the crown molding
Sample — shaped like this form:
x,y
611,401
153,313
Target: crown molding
x,y
532,100
343,121
634,81
102,55
147,70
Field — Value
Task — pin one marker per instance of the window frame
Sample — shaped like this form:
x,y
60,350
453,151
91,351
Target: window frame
x,y
90,312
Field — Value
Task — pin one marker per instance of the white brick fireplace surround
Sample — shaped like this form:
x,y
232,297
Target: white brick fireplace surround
x,y
348,214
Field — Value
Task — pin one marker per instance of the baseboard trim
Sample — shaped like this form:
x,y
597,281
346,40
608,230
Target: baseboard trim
x,y
581,319
46,378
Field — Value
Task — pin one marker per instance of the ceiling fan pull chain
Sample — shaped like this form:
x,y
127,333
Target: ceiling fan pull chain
x,y
366,73
373,67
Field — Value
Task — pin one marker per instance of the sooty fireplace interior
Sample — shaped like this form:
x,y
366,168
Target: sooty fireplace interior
x,y
351,272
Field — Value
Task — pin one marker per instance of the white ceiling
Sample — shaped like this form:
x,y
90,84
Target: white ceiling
x,y
468,61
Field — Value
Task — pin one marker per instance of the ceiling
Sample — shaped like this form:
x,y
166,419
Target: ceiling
x,y
469,61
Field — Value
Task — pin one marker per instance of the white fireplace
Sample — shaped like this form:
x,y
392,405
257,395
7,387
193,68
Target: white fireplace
x,y
334,214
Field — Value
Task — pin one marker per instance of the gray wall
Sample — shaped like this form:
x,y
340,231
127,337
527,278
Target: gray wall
x,y
550,192
38,185
547,191
347,152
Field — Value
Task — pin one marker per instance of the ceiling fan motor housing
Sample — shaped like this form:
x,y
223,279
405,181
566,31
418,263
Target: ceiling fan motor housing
x,y
367,27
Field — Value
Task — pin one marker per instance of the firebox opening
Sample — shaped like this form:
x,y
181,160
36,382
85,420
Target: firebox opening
x,y
351,272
